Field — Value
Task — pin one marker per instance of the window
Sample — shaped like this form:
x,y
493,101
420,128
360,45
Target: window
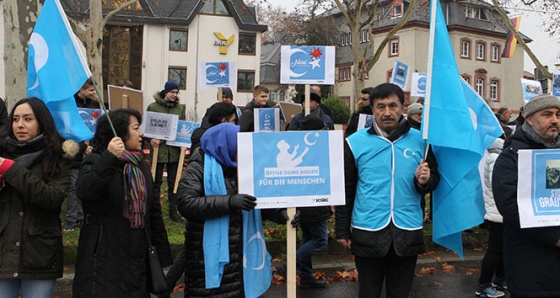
x,y
394,47
480,50
467,78
494,89
178,40
179,76
465,48
214,7
480,87
496,53
398,9
245,81
349,38
344,73
474,12
364,36
247,44
346,39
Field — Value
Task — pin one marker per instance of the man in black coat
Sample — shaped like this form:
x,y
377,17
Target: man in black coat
x,y
531,255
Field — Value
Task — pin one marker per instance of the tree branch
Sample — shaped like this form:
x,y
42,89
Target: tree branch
x,y
113,12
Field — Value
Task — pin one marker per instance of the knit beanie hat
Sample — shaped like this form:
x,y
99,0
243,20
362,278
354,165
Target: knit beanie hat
x,y
170,85
414,108
541,102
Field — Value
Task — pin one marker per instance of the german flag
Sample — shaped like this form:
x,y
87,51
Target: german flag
x,y
511,41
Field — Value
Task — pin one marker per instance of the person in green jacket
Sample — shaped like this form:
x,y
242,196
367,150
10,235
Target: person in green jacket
x,y
167,101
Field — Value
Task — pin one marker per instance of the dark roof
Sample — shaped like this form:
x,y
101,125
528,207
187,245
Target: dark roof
x,y
176,12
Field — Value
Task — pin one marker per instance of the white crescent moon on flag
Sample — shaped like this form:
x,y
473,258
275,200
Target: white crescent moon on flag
x,y
474,118
41,54
258,236
295,74
208,66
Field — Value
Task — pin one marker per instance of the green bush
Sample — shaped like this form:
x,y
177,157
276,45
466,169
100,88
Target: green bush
x,y
340,110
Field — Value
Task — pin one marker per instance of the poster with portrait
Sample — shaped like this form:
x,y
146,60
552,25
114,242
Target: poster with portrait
x,y
184,132
531,89
419,83
217,74
400,74
307,65
124,97
160,126
538,198
556,83
292,169
267,119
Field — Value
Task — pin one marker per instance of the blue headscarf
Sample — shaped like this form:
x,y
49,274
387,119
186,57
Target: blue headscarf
x,y
220,142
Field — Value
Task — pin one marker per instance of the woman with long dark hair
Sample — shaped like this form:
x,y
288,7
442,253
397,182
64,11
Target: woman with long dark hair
x,y
121,211
34,180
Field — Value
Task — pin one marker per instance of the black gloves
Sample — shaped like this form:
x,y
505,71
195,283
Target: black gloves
x,y
284,217
242,201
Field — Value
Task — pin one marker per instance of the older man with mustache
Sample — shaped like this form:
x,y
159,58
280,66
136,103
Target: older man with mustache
x,y
531,255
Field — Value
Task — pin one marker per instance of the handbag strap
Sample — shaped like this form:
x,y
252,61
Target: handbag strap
x,y
148,236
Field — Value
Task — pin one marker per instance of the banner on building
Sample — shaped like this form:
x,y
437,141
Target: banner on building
x,y
538,198
307,65
217,74
292,169
531,89
160,126
418,87
400,74
184,132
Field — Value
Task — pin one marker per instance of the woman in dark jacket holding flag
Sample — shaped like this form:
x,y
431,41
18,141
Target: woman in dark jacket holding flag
x,y
120,211
219,222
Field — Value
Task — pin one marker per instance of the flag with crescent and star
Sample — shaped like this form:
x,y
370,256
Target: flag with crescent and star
x,y
257,275
217,74
56,70
307,65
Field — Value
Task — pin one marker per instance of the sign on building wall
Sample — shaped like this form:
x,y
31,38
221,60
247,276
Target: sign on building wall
x,y
307,65
292,169
400,74
217,74
223,42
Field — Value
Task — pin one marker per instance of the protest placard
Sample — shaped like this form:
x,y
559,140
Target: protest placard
x,y
531,89
160,126
132,99
307,65
419,81
267,119
292,169
289,110
217,74
400,74
364,121
556,83
184,133
538,198
90,117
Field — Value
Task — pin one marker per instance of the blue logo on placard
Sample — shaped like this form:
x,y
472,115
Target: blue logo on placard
x,y
546,183
307,63
422,84
185,130
217,73
266,120
300,167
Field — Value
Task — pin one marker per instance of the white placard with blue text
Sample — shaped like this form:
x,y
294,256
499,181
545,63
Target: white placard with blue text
x,y
292,169
267,119
160,125
184,133
538,198
217,74
531,88
400,74
418,87
307,65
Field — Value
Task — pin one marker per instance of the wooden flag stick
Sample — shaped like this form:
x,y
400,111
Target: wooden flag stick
x,y
154,161
179,168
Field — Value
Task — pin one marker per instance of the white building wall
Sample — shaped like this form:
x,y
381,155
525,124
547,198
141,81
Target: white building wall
x,y
201,48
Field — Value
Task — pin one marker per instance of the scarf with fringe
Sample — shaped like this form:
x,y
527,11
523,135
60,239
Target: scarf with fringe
x,y
134,205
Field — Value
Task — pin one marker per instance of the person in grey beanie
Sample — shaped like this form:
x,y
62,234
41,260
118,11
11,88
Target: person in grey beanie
x,y
530,254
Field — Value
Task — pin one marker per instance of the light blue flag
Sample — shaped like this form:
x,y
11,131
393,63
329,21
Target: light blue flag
x,y
56,70
459,126
257,275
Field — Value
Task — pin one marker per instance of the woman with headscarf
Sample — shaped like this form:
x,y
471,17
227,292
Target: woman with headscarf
x,y
216,215
121,210
34,180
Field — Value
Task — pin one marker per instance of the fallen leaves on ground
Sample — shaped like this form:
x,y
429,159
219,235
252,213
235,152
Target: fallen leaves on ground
x,y
447,268
351,275
478,249
470,271
425,271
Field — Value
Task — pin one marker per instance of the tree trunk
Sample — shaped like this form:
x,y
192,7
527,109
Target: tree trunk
x,y
94,44
19,19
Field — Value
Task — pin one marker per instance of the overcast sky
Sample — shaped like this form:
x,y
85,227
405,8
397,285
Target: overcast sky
x,y
545,48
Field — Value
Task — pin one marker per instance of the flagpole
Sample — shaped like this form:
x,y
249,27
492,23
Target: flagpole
x,y
427,99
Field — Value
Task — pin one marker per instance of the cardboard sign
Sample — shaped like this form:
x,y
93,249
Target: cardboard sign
x,y
160,126
292,169
538,198
289,110
184,132
307,65
133,100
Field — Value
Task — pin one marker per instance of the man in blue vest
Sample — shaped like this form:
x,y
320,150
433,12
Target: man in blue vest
x,y
385,176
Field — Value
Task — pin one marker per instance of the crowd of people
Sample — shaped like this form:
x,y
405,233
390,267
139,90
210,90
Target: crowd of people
x,y
114,200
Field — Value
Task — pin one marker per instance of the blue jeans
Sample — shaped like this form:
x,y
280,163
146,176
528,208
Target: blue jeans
x,y
30,288
314,239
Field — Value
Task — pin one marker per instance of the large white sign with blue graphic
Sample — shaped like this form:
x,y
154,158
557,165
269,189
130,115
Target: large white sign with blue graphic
x,y
292,169
217,74
419,83
538,198
400,74
184,132
307,65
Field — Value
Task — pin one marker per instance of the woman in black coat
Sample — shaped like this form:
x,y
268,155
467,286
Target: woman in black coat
x,y
120,210
34,180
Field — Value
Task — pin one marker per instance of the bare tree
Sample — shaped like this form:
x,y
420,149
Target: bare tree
x,y
359,14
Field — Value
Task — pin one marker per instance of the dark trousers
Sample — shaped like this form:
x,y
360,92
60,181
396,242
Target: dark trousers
x,y
171,173
314,238
493,261
398,273
74,212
